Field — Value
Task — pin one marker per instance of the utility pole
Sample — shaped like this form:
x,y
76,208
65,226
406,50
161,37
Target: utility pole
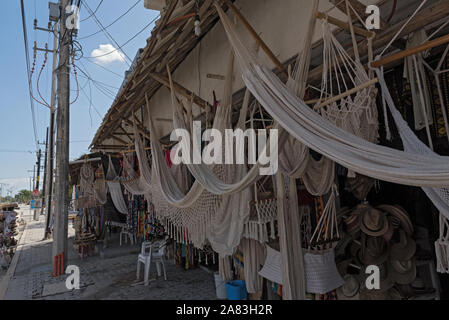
x,y
38,163
62,141
38,175
51,158
34,177
45,173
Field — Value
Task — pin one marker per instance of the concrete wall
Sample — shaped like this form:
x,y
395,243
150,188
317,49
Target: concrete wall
x,y
282,24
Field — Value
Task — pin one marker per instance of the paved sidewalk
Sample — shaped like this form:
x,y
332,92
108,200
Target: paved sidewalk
x,y
113,277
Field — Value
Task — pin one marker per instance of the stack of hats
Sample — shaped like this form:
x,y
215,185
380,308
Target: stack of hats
x,y
381,237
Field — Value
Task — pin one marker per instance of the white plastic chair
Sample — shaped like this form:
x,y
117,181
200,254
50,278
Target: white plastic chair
x,y
156,254
128,235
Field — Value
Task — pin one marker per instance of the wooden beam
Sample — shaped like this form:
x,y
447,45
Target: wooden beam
x,y
161,26
141,130
412,51
118,139
188,29
344,25
110,146
347,93
127,106
125,132
256,36
181,90
428,15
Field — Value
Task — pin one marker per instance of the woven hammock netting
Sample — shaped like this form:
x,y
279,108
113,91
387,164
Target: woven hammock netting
x,y
215,208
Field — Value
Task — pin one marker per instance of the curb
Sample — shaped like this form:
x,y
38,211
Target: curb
x,y
12,267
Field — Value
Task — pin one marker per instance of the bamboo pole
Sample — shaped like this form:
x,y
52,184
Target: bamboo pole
x,y
180,89
412,51
344,25
347,93
258,39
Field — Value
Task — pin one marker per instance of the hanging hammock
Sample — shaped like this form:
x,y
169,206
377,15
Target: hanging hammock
x,y
319,134
218,217
115,189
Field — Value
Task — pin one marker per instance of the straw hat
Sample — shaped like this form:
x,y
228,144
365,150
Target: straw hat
x,y
374,252
398,213
405,249
350,289
391,227
342,266
353,224
403,272
373,222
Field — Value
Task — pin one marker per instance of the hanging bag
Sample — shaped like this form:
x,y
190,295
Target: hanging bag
x,y
319,258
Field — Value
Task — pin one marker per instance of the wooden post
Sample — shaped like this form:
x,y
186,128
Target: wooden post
x,y
345,94
62,139
412,51
180,89
258,39
344,25
44,185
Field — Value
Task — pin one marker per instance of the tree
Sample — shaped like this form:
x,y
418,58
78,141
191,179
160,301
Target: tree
x,y
24,196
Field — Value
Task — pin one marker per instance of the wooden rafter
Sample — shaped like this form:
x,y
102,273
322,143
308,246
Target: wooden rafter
x,y
180,89
428,15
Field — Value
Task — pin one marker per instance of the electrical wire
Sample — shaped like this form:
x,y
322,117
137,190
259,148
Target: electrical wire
x,y
39,78
108,35
108,70
16,151
102,87
95,11
27,56
112,23
127,42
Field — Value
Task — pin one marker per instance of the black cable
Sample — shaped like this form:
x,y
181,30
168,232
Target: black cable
x,y
112,23
106,32
135,36
98,7
27,56
99,65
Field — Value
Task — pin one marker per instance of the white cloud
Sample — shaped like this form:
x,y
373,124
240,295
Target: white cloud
x,y
107,53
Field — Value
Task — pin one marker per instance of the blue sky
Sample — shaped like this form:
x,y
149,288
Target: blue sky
x,y
16,126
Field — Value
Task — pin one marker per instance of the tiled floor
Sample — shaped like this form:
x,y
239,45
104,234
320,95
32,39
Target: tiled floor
x,y
113,277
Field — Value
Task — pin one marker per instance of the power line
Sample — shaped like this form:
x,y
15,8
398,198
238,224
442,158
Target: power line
x,y
15,151
27,56
112,23
106,32
87,76
98,7
131,39
102,87
99,65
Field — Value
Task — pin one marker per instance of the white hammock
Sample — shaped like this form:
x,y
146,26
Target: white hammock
x,y
438,196
319,134
134,183
115,189
219,217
